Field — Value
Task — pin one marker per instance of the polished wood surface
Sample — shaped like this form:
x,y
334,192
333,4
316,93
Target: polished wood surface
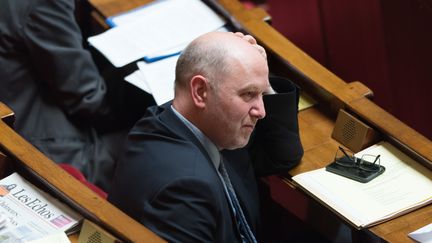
x,y
332,93
70,190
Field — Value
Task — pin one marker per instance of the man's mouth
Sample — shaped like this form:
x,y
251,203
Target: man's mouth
x,y
249,126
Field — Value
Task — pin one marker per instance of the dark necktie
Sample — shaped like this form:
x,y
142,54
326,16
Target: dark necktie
x,y
246,233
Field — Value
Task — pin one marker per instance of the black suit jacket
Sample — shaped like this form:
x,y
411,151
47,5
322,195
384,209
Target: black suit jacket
x,y
167,181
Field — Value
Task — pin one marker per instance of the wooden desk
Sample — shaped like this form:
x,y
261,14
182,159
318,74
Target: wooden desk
x,y
332,93
39,169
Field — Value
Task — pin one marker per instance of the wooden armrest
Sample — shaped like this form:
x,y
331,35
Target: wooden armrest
x,y
6,114
361,89
261,14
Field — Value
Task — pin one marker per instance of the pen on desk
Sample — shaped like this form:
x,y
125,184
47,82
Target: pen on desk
x,y
345,153
376,159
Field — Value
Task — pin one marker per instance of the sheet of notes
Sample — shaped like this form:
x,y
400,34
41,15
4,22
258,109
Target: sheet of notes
x,y
404,186
154,28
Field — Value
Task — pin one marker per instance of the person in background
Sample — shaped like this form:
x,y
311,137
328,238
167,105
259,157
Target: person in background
x,y
189,168
52,84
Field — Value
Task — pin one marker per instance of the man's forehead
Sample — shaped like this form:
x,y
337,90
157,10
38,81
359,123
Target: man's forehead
x,y
244,83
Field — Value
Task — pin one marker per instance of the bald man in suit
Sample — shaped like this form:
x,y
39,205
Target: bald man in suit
x,y
225,113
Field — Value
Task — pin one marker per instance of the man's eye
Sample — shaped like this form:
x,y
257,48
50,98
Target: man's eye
x,y
249,95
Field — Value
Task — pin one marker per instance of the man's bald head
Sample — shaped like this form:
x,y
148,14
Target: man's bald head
x,y
211,54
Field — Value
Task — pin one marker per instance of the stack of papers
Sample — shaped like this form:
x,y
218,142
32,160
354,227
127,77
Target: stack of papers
x,y
155,30
156,78
404,186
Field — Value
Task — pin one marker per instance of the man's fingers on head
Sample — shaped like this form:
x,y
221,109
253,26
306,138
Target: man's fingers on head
x,y
239,34
261,50
253,42
248,38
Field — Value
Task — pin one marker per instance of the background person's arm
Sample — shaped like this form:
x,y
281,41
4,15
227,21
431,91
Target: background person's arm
x,y
62,65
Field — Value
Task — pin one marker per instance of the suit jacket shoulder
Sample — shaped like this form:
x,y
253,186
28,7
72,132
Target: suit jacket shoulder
x,y
175,188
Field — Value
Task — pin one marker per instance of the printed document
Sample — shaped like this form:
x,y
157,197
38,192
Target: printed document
x,y
159,26
156,78
160,77
404,186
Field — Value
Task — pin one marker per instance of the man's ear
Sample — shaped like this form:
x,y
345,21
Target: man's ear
x,y
199,89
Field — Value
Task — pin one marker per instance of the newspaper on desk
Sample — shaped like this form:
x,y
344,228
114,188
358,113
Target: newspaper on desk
x,y
27,213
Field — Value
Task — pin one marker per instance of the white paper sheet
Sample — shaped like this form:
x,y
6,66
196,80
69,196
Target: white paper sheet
x,y
404,186
138,79
160,77
423,235
160,26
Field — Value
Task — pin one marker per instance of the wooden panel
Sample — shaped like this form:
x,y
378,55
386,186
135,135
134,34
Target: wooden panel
x,y
300,21
6,114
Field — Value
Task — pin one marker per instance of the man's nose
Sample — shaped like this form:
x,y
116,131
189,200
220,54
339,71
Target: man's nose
x,y
258,109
